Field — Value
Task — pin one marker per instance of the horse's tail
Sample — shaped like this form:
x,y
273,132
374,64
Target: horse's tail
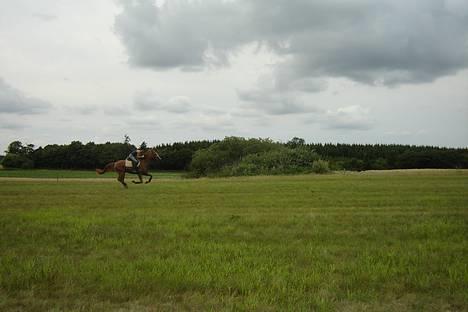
x,y
108,167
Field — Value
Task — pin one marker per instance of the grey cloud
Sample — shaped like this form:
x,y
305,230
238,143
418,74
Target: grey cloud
x,y
87,109
9,125
308,85
146,122
117,110
389,42
45,17
273,102
147,101
213,111
245,113
352,117
16,102
210,122
178,104
182,34
403,133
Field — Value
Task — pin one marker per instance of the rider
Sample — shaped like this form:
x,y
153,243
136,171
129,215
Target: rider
x,y
135,156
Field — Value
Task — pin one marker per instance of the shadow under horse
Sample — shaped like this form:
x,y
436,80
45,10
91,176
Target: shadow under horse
x,y
142,170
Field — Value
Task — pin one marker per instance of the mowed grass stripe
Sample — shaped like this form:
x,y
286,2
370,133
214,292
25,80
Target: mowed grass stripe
x,y
346,242
75,174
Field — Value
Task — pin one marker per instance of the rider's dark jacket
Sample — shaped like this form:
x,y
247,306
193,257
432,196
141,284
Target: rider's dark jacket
x,y
133,156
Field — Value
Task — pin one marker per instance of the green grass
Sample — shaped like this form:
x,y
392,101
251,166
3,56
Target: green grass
x,y
75,174
375,242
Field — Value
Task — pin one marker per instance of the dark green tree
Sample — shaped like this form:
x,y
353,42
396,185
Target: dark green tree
x,y
18,156
295,142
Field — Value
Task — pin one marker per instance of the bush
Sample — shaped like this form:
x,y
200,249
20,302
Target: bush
x,y
230,151
282,160
320,166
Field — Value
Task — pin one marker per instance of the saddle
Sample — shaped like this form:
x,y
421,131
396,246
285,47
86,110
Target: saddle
x,y
129,164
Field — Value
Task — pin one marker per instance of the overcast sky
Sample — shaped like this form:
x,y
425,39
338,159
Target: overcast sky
x,y
350,71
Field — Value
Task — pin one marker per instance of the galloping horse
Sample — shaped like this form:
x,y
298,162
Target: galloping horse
x,y
119,167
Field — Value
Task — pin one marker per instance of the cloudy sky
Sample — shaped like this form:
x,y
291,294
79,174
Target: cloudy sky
x,y
351,71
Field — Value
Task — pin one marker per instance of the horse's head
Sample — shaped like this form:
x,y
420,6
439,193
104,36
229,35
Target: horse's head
x,y
153,154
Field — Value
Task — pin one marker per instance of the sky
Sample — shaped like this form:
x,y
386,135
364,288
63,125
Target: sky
x,y
339,71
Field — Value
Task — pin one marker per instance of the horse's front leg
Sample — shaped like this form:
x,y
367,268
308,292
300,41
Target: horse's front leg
x,y
151,178
140,178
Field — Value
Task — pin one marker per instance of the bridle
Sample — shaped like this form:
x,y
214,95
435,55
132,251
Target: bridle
x,y
155,154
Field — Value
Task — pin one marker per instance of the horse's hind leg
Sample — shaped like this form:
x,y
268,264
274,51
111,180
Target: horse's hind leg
x,y
121,179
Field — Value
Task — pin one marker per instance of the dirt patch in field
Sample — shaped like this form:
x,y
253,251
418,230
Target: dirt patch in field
x,y
94,180
57,179
416,171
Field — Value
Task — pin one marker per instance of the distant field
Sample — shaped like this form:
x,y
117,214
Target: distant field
x,y
75,174
392,241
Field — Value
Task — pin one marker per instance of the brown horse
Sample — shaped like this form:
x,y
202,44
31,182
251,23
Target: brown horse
x,y
119,167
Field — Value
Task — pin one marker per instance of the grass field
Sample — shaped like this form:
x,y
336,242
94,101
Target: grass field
x,y
349,242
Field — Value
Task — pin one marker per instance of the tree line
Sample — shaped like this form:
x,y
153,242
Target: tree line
x,y
242,154
360,157
76,155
